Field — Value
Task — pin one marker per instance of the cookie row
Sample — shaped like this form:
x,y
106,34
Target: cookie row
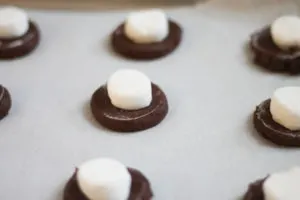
x,y
150,34
144,35
276,48
109,179
127,102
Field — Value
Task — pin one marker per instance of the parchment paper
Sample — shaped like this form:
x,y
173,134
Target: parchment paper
x,y
206,148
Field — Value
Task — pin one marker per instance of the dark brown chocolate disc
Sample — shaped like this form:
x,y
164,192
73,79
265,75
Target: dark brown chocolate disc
x,y
17,47
5,102
255,191
271,130
268,55
126,47
129,120
140,188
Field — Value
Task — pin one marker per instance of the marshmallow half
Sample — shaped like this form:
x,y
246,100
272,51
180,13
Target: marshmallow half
x,y
285,32
129,89
148,26
104,179
285,107
14,22
283,185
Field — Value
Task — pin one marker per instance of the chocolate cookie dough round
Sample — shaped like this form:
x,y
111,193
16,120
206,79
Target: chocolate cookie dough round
x,y
121,120
276,47
281,185
255,191
126,47
18,34
140,188
11,48
271,130
5,102
106,178
269,56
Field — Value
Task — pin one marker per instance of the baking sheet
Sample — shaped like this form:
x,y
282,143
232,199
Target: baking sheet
x,y
206,148
98,4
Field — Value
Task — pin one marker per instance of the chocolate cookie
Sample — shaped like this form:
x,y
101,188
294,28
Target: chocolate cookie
x,y
17,47
271,130
124,46
125,120
255,191
271,57
140,188
5,102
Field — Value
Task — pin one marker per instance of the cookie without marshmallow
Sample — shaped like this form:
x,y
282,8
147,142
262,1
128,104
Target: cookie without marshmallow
x,y
155,46
276,52
17,38
5,102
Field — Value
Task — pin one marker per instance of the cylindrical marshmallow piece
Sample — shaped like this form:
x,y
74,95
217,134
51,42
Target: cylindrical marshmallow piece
x,y
148,26
129,89
285,107
283,185
14,22
285,32
104,179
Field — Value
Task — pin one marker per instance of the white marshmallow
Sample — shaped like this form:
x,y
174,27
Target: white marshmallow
x,y
129,89
147,26
285,32
14,22
285,107
283,185
104,179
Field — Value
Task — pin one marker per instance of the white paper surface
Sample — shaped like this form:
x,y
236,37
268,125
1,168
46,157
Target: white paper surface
x,y
206,148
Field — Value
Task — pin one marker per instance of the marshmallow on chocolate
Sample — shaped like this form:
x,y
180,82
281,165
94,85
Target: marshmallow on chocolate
x,y
285,32
283,185
104,179
129,89
147,26
285,107
14,22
